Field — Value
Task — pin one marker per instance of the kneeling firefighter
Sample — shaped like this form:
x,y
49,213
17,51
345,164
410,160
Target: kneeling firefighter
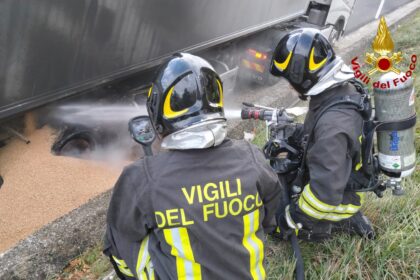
x,y
200,209
331,135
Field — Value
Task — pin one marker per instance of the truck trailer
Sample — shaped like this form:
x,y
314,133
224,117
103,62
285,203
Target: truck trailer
x,y
56,51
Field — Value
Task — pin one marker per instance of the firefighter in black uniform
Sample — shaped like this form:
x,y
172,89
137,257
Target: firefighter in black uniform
x,y
306,59
201,209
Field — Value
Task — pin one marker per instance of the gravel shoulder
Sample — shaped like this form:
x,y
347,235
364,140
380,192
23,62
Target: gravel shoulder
x,y
41,187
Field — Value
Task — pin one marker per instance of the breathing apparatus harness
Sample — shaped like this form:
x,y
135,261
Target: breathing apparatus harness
x,y
365,180
283,134
368,177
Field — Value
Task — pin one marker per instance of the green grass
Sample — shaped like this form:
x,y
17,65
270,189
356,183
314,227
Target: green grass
x,y
395,254
92,264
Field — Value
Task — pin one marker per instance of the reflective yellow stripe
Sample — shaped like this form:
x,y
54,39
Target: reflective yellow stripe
x,y
150,92
281,66
167,110
143,259
219,84
359,164
150,271
254,245
122,266
310,211
323,207
186,266
180,267
362,196
312,64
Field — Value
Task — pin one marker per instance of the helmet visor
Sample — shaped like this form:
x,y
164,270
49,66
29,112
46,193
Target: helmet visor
x,y
212,87
319,54
180,97
283,53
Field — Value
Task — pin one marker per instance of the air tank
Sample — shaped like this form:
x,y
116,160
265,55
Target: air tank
x,y
394,98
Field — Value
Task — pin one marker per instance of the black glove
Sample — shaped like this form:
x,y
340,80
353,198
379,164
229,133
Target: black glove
x,y
287,225
312,231
289,222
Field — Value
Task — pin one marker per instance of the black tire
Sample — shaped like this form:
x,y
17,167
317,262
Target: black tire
x,y
74,142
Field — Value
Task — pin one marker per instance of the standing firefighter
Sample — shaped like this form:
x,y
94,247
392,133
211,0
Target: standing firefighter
x,y
201,209
332,136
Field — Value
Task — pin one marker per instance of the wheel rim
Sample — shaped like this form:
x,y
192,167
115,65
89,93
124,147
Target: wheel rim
x,y
334,35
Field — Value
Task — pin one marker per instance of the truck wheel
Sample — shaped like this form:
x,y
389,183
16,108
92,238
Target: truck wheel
x,y
336,33
74,143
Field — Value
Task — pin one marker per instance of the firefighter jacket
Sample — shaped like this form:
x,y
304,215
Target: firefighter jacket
x,y
334,152
193,214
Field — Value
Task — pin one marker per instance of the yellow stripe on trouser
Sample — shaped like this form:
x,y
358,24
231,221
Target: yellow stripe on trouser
x,y
360,163
362,196
122,266
315,208
254,245
143,260
186,266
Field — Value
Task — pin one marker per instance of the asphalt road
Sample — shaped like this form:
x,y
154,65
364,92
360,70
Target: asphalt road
x,y
365,11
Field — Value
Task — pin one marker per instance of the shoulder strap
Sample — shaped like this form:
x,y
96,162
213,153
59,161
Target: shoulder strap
x,y
356,101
